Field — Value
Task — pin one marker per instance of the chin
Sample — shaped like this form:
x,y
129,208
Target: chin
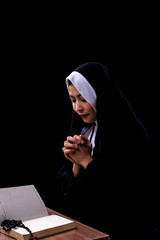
x,y
87,121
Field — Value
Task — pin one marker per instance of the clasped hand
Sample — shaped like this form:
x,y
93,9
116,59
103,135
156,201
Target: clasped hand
x,y
78,150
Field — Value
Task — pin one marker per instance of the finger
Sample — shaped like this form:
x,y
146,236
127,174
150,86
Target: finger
x,y
86,140
69,158
71,139
79,139
67,151
70,145
67,154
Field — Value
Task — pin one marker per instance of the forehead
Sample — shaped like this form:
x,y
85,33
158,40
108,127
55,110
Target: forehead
x,y
73,91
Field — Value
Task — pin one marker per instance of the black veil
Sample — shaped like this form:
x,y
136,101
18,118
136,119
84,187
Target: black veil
x,y
115,116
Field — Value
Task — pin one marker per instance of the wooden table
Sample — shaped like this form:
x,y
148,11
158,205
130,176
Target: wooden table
x,y
82,232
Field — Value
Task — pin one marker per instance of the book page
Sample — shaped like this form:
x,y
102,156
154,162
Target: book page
x,y
44,223
22,202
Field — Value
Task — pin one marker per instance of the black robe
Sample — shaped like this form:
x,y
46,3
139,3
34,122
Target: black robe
x,y
111,194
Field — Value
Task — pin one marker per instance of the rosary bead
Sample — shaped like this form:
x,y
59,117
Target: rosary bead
x,y
9,224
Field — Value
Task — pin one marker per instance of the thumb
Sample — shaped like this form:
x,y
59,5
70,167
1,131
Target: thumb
x,y
89,144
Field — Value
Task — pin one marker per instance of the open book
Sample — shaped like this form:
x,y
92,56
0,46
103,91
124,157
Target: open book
x,y
24,203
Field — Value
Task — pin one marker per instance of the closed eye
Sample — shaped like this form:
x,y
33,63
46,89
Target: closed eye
x,y
79,96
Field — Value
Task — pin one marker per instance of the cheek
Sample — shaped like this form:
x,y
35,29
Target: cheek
x,y
73,106
94,116
89,108
92,112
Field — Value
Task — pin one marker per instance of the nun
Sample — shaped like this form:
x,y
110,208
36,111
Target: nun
x,y
102,180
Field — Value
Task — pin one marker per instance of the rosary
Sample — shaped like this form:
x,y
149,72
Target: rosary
x,y
9,224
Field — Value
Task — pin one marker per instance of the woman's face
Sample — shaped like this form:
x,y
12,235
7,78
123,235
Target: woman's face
x,y
81,106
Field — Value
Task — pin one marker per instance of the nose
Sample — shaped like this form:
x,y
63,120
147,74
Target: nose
x,y
78,106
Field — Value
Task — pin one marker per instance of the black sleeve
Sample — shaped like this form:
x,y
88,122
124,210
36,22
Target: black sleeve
x,y
66,183
65,178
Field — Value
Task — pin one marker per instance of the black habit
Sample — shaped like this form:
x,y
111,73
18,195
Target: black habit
x,y
110,195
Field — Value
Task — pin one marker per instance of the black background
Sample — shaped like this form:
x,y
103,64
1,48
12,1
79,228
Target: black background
x,y
40,48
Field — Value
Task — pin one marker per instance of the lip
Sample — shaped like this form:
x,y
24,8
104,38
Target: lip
x,y
83,115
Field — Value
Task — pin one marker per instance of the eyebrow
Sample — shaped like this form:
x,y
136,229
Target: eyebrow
x,y
79,95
